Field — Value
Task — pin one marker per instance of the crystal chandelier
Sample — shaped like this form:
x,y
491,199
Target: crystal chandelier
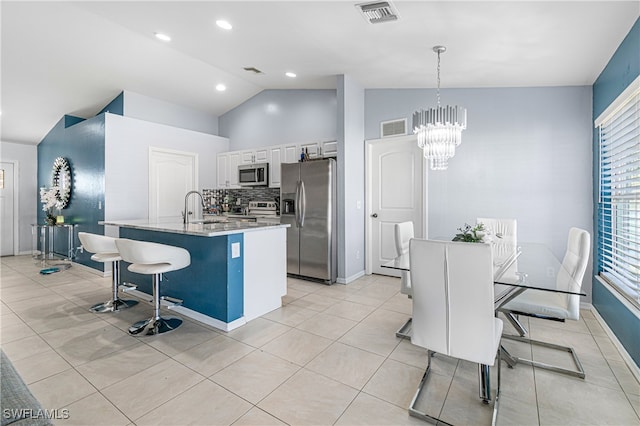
x,y
439,129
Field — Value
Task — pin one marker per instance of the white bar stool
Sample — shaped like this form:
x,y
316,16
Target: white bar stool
x,y
153,259
106,251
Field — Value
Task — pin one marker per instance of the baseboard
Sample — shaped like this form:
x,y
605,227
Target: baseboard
x,y
352,278
635,370
205,319
90,270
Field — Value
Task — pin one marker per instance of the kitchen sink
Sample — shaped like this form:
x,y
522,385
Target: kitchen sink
x,y
208,221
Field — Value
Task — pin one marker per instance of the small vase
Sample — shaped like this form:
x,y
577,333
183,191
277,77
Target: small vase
x,y
50,220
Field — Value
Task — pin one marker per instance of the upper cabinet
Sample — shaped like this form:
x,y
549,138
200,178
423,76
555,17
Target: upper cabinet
x,y
274,155
227,172
234,161
222,170
260,155
310,148
291,153
329,148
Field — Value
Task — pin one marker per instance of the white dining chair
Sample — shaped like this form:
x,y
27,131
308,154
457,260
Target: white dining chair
x,y
453,310
503,235
504,230
403,233
554,306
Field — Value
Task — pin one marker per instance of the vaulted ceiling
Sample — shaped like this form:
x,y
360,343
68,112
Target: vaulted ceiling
x,y
73,57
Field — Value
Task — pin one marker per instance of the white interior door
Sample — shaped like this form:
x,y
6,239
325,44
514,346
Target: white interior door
x,y
396,192
171,175
7,200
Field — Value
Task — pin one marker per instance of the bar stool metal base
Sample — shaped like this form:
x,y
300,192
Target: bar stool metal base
x,y
154,326
113,305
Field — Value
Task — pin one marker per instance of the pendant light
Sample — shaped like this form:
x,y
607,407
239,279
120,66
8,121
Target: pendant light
x,y
439,129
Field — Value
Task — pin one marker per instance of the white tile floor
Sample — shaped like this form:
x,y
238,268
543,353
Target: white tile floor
x,y
328,356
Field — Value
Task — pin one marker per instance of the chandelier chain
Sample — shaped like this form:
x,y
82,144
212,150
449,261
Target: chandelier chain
x,y
438,90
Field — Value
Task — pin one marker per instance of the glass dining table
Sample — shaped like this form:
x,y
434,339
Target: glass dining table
x,y
517,268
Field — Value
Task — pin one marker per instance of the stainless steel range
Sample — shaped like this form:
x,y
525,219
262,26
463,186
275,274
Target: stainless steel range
x,y
257,211
263,209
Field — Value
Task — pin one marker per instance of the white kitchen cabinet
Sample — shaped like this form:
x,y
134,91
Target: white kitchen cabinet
x,y
329,148
276,156
291,153
247,157
311,148
260,155
222,171
232,171
227,169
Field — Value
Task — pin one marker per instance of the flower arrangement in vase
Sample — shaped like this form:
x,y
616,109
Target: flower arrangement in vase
x,y
474,234
49,200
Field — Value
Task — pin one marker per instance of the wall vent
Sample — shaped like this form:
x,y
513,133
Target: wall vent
x,y
393,128
378,12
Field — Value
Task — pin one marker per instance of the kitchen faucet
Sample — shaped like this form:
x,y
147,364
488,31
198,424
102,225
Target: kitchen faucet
x,y
186,212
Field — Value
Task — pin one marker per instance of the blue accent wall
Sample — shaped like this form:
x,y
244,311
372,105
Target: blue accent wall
x,y
622,69
621,320
81,142
213,284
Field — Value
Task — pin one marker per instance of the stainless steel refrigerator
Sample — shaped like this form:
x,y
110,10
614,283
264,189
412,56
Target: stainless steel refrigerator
x,y
308,204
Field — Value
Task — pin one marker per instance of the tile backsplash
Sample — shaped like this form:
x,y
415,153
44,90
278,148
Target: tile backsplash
x,y
216,197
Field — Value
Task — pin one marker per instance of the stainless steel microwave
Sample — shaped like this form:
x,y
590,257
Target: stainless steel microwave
x,y
253,174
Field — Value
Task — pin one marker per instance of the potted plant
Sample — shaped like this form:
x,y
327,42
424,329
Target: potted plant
x,y
474,234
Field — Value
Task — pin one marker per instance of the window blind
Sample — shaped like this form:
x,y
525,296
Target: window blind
x,y
619,200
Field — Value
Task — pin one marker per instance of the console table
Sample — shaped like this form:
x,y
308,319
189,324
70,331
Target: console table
x,y
45,236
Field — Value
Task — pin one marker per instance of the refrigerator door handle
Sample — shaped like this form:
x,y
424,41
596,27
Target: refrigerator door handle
x,y
296,205
303,204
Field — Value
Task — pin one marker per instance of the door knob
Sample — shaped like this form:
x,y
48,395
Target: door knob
x,y
374,215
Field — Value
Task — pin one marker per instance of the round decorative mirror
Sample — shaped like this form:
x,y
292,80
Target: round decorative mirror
x,y
62,181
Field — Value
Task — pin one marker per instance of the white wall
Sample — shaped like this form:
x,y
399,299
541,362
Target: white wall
x,y
275,117
127,142
25,156
351,221
158,111
526,154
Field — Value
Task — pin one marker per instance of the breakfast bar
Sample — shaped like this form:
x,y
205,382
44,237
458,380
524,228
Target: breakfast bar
x,y
237,270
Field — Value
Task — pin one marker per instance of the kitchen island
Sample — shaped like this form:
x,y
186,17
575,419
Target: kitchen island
x,y
237,271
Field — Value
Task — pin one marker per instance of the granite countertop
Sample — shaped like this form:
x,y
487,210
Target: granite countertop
x,y
198,228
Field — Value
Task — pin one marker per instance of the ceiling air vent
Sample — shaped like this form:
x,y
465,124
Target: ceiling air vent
x,y
378,12
253,70
393,128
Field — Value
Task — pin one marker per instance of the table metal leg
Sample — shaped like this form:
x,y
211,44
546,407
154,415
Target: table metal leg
x,y
484,382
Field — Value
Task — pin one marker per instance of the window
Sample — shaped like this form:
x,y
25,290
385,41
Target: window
x,y
619,200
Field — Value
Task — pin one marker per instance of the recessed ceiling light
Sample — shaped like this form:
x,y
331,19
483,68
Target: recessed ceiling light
x,y
225,25
290,74
221,87
162,37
